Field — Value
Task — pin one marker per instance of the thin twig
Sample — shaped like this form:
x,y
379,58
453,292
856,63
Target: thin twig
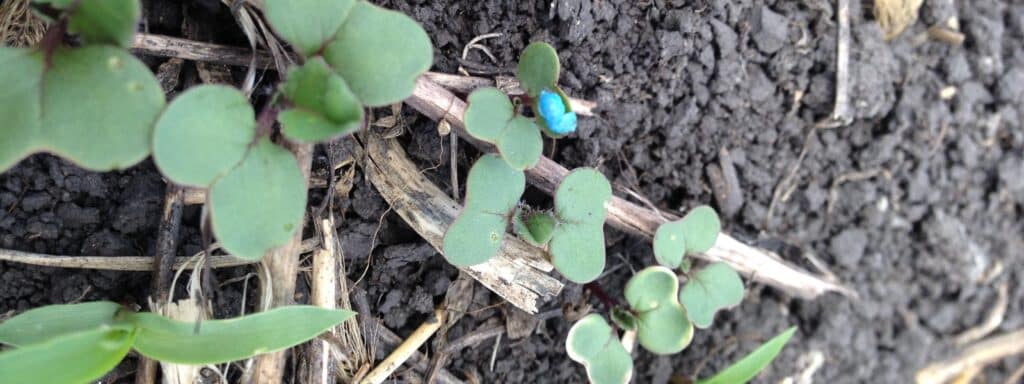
x,y
1016,376
323,293
163,266
406,349
167,243
127,263
417,360
992,321
977,355
841,115
783,189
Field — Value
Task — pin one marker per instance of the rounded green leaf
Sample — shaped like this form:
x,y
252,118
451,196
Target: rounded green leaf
x,y
46,323
592,342
487,114
379,53
492,192
324,105
613,365
535,227
520,143
669,244
493,187
307,24
310,127
700,227
19,103
69,359
577,251
662,326
305,86
538,68
664,330
581,196
711,289
748,367
221,341
203,134
577,244
651,288
79,90
340,104
474,238
588,337
259,204
105,21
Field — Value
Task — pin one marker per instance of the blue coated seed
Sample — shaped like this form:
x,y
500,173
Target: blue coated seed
x,y
553,111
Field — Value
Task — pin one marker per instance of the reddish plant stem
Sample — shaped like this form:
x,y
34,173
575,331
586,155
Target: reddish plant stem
x,y
52,39
608,301
265,120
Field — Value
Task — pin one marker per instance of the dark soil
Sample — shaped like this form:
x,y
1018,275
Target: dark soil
x,y
909,205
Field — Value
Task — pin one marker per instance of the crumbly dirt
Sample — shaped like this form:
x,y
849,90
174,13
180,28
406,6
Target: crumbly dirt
x,y
910,205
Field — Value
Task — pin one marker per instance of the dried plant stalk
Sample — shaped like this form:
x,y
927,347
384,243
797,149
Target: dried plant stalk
x,y
893,16
18,26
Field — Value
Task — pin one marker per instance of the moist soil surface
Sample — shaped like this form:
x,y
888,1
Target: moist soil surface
x,y
912,205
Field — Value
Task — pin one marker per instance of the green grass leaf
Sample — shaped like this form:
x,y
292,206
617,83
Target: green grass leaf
x,y
42,324
592,342
307,24
203,134
379,53
715,287
260,203
742,371
106,21
19,104
520,143
538,68
69,359
487,114
78,91
220,341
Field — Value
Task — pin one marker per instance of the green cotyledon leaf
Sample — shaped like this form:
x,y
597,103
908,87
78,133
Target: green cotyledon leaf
x,y
592,342
379,53
260,203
